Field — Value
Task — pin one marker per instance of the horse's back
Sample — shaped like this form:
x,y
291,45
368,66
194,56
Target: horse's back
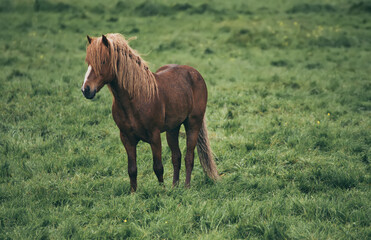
x,y
180,76
183,92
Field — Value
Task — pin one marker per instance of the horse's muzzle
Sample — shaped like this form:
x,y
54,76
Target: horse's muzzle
x,y
87,93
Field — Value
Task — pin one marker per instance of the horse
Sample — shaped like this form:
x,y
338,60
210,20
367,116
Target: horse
x,y
146,104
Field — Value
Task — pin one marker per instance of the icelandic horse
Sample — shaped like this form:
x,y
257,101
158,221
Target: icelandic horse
x,y
146,104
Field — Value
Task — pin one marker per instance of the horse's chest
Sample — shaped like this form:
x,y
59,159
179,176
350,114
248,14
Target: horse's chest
x,y
123,121
128,124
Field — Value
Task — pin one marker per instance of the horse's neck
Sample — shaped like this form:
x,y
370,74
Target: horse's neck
x,y
122,98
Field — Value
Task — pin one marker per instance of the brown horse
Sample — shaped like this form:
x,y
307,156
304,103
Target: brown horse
x,y
146,104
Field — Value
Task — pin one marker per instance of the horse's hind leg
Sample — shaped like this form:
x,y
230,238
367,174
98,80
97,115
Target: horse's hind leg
x,y
192,126
173,142
156,153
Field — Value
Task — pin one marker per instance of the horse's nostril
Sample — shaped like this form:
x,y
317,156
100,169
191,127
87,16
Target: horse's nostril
x,y
85,90
87,93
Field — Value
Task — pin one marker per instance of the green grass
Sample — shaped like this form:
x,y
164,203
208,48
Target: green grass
x,y
288,116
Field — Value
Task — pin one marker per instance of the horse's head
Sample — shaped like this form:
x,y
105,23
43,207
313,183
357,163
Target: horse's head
x,y
100,71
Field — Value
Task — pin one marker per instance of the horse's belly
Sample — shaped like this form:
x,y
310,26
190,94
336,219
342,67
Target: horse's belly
x,y
173,122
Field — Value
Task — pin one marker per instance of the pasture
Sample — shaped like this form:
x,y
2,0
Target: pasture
x,y
289,120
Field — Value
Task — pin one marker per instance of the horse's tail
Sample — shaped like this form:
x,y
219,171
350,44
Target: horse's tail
x,y
205,154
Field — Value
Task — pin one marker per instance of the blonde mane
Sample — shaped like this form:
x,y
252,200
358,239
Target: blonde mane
x,y
130,69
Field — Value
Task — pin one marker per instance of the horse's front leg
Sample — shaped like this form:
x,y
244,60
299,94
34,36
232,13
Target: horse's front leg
x,y
131,150
158,168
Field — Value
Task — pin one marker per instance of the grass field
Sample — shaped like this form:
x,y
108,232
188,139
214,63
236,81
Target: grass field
x,y
289,118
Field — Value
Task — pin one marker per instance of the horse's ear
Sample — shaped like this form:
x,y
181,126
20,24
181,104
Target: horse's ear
x,y
89,39
105,41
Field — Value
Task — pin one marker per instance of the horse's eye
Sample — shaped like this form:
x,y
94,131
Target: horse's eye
x,y
104,62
